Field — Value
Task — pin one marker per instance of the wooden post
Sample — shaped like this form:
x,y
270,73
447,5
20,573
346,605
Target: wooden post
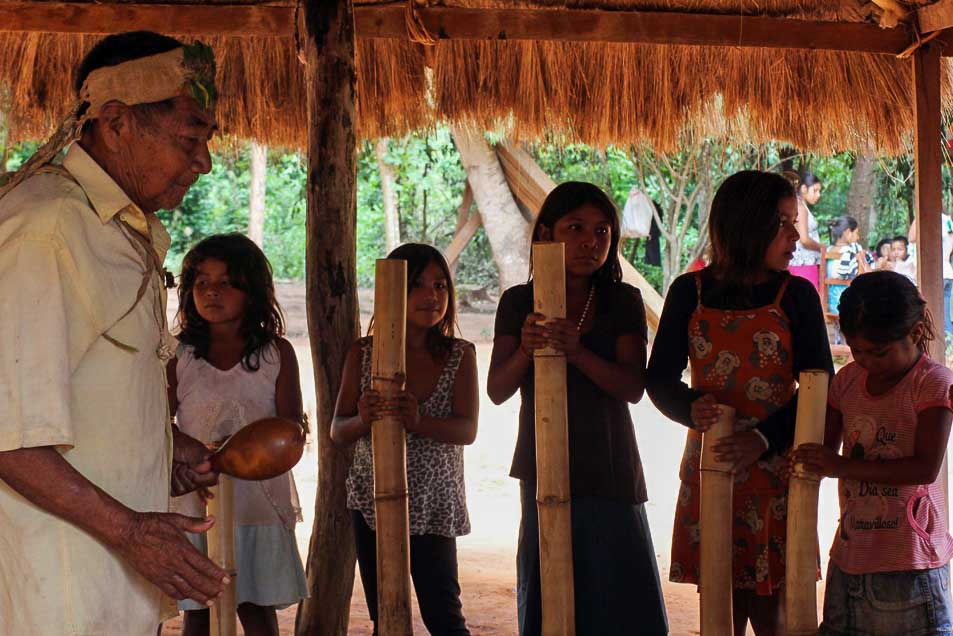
x,y
800,579
389,442
929,184
552,450
221,549
715,575
929,196
331,271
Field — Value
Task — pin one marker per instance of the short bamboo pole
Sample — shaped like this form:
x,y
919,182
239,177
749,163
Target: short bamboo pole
x,y
552,450
715,575
221,549
800,579
390,452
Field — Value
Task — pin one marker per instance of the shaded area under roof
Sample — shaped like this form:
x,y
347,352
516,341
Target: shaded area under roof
x,y
598,93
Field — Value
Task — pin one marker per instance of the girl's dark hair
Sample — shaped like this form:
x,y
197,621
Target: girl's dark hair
x,y
418,257
902,239
249,271
745,217
882,307
807,179
570,196
881,243
840,225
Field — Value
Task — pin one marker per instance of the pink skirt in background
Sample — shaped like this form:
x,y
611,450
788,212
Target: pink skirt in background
x,y
810,272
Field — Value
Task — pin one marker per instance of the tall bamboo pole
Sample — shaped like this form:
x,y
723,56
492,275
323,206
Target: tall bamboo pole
x,y
715,575
552,450
221,550
390,452
800,579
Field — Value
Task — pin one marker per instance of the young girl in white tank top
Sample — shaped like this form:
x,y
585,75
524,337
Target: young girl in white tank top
x,y
233,368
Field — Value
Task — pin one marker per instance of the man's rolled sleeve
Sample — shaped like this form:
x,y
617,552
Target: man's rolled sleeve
x,y
35,348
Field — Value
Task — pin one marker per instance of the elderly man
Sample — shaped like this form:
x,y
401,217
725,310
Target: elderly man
x,y
86,444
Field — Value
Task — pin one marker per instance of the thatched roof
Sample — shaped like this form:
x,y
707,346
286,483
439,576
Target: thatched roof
x,y
595,92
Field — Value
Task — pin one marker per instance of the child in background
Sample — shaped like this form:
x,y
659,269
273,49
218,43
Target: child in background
x,y
903,262
616,581
440,407
233,368
883,253
748,328
851,262
890,409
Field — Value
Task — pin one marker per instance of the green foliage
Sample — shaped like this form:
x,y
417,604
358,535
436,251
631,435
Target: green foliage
x,y
430,182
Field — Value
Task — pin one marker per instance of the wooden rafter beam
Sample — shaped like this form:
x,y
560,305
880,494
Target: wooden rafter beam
x,y
635,26
467,24
184,19
936,16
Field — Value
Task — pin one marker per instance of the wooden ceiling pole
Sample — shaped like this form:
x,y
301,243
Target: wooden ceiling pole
x,y
388,21
331,287
929,195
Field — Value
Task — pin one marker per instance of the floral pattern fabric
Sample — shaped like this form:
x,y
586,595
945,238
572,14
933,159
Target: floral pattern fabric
x,y
744,358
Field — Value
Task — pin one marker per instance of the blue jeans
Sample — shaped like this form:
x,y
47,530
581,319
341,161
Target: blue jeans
x,y
911,603
947,324
615,575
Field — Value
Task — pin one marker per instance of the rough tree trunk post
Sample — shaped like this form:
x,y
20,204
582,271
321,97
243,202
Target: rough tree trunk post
x,y
506,229
389,192
860,195
552,450
389,443
258,167
223,617
331,298
800,582
929,194
715,576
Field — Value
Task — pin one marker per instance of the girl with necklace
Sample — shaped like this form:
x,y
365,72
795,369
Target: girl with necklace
x,y
604,338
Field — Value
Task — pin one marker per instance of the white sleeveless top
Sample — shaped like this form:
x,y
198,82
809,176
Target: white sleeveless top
x,y
214,404
802,255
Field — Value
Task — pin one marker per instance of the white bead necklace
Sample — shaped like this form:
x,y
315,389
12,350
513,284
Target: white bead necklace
x,y
585,311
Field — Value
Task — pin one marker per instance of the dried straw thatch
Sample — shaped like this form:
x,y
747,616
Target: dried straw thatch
x,y
597,93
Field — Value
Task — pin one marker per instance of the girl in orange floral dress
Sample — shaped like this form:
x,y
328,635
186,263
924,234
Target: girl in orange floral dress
x,y
748,328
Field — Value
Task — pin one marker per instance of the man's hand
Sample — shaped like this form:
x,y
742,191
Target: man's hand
x,y
191,469
154,544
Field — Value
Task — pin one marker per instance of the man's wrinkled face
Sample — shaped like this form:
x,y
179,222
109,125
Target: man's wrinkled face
x,y
168,153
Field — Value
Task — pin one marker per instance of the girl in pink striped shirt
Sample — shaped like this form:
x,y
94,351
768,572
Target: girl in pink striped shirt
x,y
890,410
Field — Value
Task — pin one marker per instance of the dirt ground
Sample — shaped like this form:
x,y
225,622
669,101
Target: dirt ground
x,y
487,557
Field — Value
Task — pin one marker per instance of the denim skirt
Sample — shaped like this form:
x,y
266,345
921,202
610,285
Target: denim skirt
x,y
911,603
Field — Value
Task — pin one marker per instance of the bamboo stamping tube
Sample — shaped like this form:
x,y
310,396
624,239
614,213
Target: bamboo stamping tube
x,y
390,452
552,450
715,575
221,549
800,579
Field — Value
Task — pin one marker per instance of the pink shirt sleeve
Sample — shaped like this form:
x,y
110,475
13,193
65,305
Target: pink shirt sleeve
x,y
836,390
934,389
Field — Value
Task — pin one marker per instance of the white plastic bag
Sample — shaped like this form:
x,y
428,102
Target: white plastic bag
x,y
637,215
